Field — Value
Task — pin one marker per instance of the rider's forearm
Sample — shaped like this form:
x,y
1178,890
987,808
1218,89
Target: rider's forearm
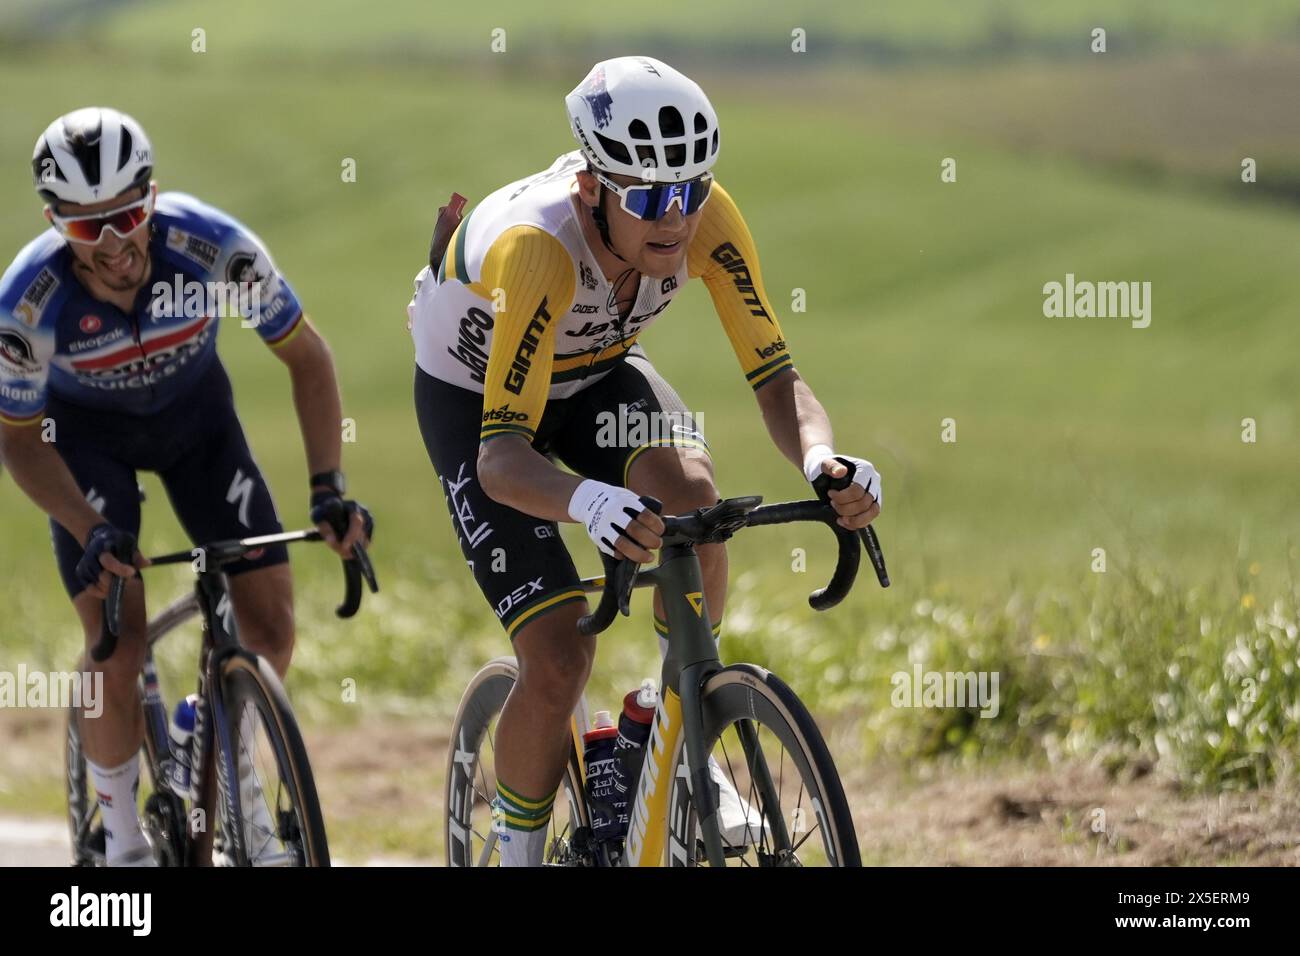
x,y
316,400
40,472
512,473
794,418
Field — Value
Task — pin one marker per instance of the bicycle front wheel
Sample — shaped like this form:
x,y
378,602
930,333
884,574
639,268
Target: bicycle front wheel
x,y
780,799
280,821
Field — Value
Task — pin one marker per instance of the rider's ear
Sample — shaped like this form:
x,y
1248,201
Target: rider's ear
x,y
588,188
49,214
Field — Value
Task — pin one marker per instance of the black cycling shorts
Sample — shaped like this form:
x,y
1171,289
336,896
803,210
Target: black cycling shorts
x,y
519,561
195,445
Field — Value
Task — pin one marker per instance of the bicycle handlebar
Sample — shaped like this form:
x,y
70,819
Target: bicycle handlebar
x,y
356,569
848,560
720,522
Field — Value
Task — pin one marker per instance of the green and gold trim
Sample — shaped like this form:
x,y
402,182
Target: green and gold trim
x,y
521,813
513,621
674,442
766,372
494,431
459,271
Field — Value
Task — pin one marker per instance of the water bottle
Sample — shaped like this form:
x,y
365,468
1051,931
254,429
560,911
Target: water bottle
x,y
629,748
598,748
181,732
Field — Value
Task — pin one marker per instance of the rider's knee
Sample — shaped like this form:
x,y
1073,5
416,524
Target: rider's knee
x,y
681,478
554,662
271,630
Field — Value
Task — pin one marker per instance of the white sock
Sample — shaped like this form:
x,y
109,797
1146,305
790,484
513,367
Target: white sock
x,y
116,789
522,847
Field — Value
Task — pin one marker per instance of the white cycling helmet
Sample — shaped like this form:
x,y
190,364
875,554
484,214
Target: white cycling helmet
x,y
90,155
638,116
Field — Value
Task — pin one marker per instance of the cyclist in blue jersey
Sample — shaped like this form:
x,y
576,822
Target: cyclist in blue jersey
x,y
109,366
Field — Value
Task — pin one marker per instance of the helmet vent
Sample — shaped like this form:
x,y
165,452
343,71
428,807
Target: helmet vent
x,y
637,129
124,149
646,156
670,122
701,149
82,139
614,149
701,124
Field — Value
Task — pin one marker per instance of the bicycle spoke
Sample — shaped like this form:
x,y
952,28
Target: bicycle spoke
x,y
755,798
805,839
731,769
758,745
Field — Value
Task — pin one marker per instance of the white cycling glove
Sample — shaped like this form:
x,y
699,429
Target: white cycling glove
x,y
864,472
605,511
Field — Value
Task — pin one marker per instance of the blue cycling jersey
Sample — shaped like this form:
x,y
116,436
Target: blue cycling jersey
x,y
56,338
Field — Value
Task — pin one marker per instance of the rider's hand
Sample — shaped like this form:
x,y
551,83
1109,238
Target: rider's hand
x,y
98,565
617,520
341,522
859,503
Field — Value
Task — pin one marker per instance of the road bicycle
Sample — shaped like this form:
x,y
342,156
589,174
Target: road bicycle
x,y
767,744
239,695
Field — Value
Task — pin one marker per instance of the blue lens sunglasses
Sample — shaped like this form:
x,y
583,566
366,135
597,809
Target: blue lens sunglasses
x,y
651,201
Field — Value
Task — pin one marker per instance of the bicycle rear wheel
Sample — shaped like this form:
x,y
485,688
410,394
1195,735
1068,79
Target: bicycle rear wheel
x,y
788,806
281,822
472,784
85,832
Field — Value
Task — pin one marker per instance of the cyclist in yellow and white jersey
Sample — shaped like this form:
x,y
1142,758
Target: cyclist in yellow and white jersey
x,y
526,348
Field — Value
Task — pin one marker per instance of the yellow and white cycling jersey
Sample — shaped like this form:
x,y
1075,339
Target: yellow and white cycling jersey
x,y
520,312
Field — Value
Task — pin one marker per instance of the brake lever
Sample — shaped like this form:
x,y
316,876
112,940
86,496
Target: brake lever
x,y
625,571
624,576
111,627
822,486
362,558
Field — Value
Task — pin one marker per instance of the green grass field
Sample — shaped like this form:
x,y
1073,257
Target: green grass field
x,y
924,303
891,30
